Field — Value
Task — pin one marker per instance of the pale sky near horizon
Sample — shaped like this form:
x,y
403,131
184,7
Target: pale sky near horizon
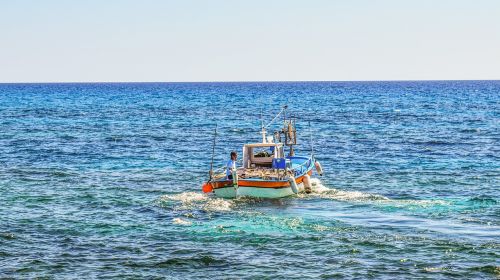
x,y
176,41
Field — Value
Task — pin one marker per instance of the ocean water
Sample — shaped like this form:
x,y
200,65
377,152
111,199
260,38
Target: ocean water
x,y
104,181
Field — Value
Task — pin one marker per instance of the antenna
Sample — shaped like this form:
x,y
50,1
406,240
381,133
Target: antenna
x,y
263,128
213,153
311,135
284,113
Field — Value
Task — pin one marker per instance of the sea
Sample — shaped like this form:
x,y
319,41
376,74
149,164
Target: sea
x,y
103,181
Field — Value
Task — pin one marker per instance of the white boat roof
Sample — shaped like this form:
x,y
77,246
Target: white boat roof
x,y
264,145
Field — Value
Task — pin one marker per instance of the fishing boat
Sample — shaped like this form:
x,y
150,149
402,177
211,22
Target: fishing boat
x,y
269,169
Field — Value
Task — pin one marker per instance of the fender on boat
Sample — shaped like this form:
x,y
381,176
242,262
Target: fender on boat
x,y
207,187
293,185
319,169
307,183
235,179
235,182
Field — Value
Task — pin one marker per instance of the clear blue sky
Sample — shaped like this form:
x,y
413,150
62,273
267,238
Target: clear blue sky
x,y
253,40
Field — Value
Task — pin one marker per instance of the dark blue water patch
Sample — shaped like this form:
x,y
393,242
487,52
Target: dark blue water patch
x,y
103,181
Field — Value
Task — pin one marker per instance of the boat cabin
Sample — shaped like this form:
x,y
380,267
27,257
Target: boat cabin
x,y
264,155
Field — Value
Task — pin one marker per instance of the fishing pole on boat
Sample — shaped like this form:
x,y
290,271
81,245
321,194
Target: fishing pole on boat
x,y
209,185
318,166
213,154
311,140
263,129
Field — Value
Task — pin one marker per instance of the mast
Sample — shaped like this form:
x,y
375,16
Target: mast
x,y
263,128
213,154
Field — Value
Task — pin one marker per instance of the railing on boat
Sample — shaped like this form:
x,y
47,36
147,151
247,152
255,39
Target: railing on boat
x,y
303,167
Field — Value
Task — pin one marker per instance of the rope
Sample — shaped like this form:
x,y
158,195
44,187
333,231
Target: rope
x,y
283,109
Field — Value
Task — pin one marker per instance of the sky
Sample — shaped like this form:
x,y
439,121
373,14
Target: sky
x,y
253,40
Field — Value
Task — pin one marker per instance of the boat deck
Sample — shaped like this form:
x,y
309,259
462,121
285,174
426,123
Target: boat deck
x,y
299,164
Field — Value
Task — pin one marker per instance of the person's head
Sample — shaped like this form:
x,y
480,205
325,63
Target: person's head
x,y
234,155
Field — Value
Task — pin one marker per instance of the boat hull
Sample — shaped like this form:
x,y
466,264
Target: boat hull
x,y
259,189
231,192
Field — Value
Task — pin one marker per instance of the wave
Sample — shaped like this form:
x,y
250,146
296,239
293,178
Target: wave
x,y
483,200
192,261
319,190
322,191
196,201
489,269
191,204
209,203
180,221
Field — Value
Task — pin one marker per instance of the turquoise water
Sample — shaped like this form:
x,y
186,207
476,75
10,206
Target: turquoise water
x,y
104,181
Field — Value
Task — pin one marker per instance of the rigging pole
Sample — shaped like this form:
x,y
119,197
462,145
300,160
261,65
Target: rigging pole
x,y
213,153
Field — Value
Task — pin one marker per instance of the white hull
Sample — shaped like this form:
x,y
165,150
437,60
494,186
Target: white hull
x,y
230,192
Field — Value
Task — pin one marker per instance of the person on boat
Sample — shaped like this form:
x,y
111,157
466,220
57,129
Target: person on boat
x,y
231,164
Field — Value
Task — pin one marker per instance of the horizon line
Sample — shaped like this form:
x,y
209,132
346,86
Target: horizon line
x,y
240,81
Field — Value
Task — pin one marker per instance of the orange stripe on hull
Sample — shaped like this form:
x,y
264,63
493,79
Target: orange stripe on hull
x,y
301,178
